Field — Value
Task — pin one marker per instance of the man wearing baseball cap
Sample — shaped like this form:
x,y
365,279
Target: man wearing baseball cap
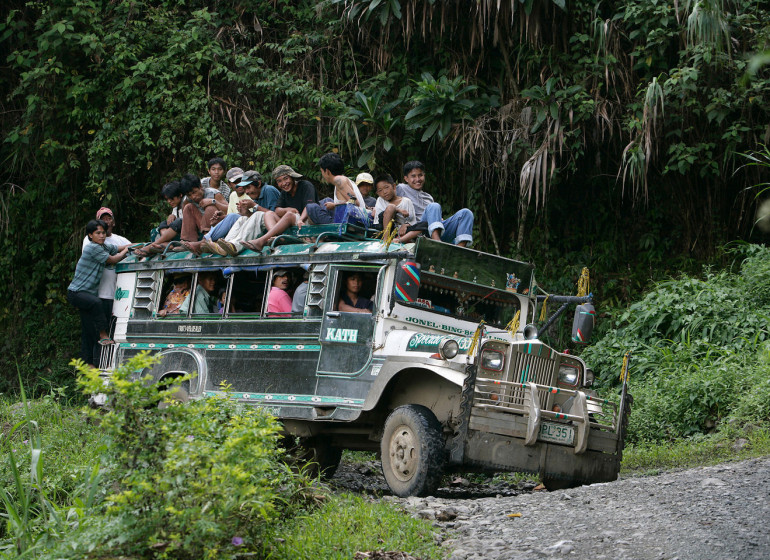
x,y
295,195
365,183
109,277
234,176
268,195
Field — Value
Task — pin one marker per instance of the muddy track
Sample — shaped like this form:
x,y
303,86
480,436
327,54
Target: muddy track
x,y
719,512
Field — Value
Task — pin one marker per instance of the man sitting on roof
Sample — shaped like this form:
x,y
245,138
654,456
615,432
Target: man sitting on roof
x,y
295,195
252,229
348,204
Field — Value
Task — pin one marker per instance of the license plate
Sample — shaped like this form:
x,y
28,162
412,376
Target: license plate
x,y
556,433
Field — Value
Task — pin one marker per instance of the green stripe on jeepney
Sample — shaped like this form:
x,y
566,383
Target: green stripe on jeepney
x,y
526,374
282,397
204,346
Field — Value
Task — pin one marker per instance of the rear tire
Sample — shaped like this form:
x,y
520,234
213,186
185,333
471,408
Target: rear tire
x,y
181,395
552,484
313,455
412,450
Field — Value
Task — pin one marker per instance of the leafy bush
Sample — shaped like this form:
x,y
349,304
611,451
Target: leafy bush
x,y
699,352
203,480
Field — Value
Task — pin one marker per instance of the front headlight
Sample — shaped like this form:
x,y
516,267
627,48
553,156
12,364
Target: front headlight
x,y
492,359
448,348
568,375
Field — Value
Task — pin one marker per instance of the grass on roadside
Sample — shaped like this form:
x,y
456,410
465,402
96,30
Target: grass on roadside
x,y
648,458
347,524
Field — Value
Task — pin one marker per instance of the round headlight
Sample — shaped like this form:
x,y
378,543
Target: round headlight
x,y
530,332
448,348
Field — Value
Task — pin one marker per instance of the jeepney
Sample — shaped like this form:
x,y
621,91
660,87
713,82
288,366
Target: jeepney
x,y
445,374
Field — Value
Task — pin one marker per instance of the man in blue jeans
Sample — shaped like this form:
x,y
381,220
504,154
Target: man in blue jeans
x,y
457,229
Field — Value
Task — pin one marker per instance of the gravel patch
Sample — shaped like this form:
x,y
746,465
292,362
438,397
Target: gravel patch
x,y
717,512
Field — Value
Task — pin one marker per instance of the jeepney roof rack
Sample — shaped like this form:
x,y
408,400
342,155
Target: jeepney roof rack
x,y
294,244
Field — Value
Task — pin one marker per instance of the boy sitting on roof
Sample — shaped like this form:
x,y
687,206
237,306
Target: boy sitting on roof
x,y
457,229
392,207
295,195
345,191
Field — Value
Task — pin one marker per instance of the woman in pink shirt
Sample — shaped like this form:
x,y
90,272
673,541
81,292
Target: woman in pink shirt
x,y
279,301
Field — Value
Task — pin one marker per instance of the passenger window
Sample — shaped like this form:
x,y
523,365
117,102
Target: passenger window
x,y
355,291
284,283
176,289
247,292
209,294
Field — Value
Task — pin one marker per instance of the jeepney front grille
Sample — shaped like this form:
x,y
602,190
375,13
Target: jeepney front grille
x,y
530,363
529,367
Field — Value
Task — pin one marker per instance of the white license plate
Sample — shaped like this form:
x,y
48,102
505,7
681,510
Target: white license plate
x,y
556,433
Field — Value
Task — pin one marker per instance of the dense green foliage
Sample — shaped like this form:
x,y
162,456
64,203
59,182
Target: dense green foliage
x,y
580,133
203,480
700,351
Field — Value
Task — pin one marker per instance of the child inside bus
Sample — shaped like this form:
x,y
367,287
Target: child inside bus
x,y
205,295
351,300
176,297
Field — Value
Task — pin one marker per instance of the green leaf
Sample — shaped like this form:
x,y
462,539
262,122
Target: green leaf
x,y
430,131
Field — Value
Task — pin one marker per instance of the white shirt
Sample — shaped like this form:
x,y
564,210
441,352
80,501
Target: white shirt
x,y
109,276
359,197
405,204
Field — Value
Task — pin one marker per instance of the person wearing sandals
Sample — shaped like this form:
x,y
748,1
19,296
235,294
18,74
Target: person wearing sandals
x,y
83,291
201,208
252,230
109,279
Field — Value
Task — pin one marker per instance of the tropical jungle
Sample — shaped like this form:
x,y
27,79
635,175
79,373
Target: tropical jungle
x,y
626,137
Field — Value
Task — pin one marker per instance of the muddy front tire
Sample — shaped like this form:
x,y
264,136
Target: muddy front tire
x,y
412,450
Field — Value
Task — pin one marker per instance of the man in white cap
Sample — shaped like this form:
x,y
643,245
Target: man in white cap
x,y
106,291
365,184
233,177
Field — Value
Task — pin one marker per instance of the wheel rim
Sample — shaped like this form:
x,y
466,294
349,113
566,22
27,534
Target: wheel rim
x,y
404,453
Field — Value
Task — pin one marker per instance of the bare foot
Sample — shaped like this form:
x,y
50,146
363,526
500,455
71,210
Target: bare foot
x,y
255,245
193,246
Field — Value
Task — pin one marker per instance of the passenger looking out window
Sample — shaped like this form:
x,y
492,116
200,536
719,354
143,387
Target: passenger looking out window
x,y
351,300
176,297
205,301
279,301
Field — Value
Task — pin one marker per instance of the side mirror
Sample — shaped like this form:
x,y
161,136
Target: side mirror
x,y
407,282
583,323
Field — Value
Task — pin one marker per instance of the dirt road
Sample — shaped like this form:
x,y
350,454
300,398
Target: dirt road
x,y
719,512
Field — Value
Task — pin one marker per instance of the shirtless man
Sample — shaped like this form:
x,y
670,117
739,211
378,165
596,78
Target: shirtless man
x,y
345,191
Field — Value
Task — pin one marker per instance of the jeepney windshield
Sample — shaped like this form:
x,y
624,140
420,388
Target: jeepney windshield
x,y
466,300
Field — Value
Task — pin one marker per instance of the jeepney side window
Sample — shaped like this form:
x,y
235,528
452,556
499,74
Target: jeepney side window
x,y
210,288
355,290
176,289
247,292
284,279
